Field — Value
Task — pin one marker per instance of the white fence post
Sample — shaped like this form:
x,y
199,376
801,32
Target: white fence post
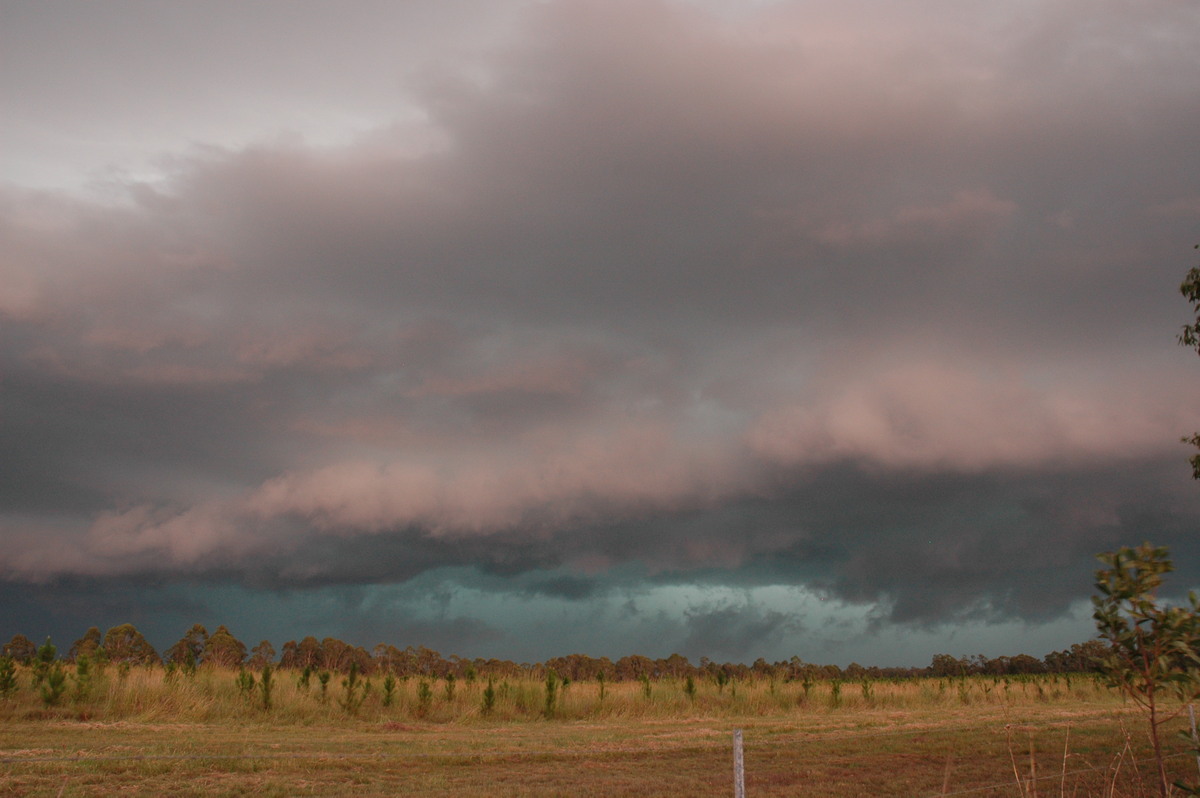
x,y
739,766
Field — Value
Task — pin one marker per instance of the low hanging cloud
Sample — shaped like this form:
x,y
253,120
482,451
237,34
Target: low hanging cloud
x,y
958,417
790,294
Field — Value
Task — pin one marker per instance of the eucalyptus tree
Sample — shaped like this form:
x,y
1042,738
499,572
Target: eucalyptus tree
x,y
125,644
1152,647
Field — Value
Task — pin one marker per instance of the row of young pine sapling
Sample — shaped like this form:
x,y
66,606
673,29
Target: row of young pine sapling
x,y
55,684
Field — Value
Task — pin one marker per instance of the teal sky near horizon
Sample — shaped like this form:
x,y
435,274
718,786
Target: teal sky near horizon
x,y
523,328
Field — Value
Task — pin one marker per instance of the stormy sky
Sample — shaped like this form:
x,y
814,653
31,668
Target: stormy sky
x,y
520,328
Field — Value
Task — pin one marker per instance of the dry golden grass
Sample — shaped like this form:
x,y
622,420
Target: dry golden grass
x,y
145,735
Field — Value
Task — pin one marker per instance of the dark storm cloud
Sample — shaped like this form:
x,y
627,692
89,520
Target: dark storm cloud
x,y
1013,544
877,303
732,631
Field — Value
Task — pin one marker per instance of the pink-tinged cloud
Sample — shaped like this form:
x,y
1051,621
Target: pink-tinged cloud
x,y
636,471
180,538
553,376
309,350
958,416
970,215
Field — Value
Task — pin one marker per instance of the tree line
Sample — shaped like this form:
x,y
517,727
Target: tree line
x,y
124,644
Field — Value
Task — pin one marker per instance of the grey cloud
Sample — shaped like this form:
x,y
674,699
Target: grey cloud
x,y
989,547
785,296
731,631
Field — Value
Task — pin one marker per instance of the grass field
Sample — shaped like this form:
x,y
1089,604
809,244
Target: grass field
x,y
142,734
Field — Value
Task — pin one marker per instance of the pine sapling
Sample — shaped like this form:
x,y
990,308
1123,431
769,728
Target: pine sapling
x,y
266,684
868,692
245,683
83,678
352,691
46,654
489,697
551,693
722,680
54,685
8,677
323,681
424,698
389,689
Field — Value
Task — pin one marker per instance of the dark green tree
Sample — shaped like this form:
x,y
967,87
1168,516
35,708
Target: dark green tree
x,y
1190,337
1151,648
